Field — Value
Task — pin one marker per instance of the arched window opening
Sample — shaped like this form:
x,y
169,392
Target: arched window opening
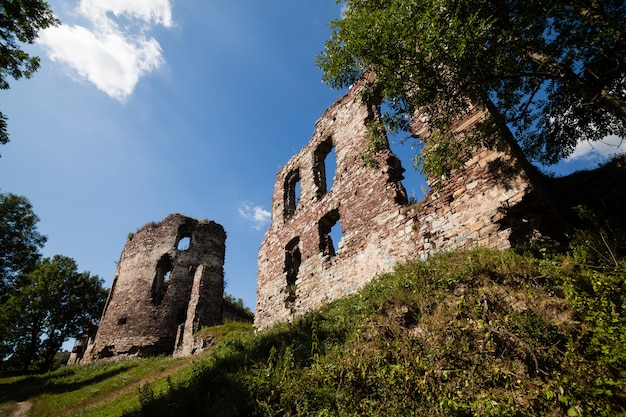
x,y
161,279
291,192
293,258
325,165
183,243
330,233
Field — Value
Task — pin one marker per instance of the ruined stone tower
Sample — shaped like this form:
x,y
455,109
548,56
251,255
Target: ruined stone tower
x,y
487,202
169,282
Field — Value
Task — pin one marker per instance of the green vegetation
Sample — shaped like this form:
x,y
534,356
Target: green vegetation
x,y
101,389
479,332
552,71
20,241
47,307
236,306
43,302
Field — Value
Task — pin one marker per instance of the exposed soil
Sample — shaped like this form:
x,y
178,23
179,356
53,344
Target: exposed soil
x,y
22,409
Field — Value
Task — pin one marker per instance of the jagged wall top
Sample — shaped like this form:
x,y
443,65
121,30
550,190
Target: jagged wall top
x,y
162,291
484,203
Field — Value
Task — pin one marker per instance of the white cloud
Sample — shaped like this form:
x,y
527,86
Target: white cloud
x,y
157,11
112,57
255,214
608,146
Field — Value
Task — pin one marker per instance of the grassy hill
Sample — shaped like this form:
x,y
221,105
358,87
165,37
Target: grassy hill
x,y
479,332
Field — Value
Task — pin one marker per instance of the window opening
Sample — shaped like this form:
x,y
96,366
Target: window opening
x,y
296,194
414,182
184,243
161,279
293,258
292,192
325,166
331,168
336,235
330,233
122,321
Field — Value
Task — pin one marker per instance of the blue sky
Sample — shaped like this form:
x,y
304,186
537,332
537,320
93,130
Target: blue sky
x,y
149,107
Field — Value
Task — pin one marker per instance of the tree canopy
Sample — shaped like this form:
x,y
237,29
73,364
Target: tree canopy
x,y
20,22
553,70
48,306
43,302
20,241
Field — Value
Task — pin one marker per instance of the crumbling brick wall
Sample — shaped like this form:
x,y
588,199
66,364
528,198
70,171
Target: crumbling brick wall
x,y
163,292
496,199
484,203
299,269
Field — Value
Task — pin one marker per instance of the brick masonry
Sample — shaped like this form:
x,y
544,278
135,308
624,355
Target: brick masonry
x,y
487,202
163,292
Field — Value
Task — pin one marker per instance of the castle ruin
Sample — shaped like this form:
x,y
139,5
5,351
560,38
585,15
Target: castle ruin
x,y
491,201
168,284
337,222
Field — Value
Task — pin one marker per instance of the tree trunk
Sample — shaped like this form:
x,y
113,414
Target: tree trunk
x,y
32,347
52,345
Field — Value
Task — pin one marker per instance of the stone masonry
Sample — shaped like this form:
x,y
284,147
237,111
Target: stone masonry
x,y
169,283
300,268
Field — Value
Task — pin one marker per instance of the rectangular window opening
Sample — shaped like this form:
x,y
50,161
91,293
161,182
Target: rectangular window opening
x,y
293,258
291,192
325,166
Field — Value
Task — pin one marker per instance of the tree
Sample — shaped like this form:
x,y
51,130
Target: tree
x,y
20,21
554,71
20,241
51,304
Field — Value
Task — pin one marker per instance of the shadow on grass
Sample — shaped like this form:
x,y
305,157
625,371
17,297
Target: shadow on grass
x,y
224,384
58,382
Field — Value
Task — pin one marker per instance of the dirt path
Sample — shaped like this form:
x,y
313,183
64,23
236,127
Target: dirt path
x,y
135,385
22,409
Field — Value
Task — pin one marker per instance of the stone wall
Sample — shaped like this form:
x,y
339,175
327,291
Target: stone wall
x,y
487,202
493,201
169,282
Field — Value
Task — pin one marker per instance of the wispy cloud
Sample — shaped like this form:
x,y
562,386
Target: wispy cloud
x,y
112,51
608,146
255,214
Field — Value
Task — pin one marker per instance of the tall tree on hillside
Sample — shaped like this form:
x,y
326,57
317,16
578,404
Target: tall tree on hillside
x,y
51,304
552,70
20,21
20,241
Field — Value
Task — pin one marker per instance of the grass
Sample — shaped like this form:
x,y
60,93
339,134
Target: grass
x,y
100,389
466,333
